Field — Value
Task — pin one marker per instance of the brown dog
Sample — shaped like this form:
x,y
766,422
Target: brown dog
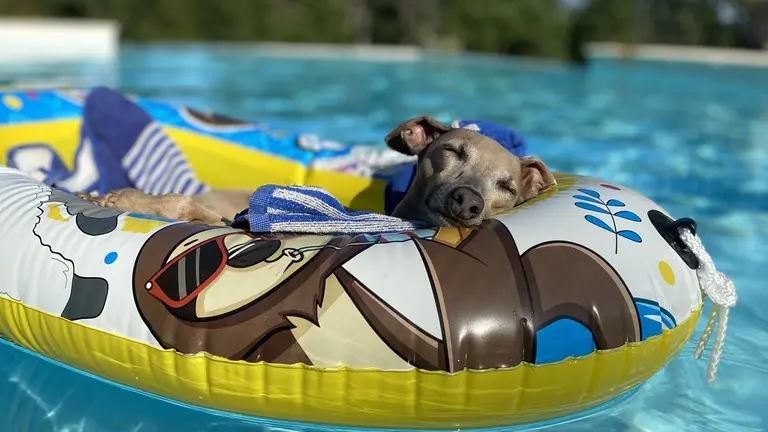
x,y
462,178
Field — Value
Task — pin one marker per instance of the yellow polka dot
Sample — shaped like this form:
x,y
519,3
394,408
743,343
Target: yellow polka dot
x,y
666,273
13,102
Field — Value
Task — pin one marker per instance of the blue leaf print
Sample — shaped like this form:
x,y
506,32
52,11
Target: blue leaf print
x,y
614,203
591,207
628,215
630,235
589,192
596,221
588,198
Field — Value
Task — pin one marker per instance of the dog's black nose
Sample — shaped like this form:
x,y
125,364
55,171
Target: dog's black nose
x,y
465,204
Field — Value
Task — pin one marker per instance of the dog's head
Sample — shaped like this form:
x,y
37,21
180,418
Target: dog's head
x,y
463,177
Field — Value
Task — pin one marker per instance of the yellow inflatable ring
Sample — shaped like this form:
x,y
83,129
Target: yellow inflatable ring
x,y
558,307
432,329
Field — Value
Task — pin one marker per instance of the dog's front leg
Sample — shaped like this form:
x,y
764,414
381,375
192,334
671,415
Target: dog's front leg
x,y
171,206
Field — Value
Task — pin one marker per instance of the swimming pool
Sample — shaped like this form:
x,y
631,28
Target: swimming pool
x,y
693,138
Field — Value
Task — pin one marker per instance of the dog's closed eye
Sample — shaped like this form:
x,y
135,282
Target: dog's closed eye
x,y
457,151
506,186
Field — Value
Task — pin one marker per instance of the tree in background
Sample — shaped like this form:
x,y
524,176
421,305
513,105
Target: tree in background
x,y
680,22
550,28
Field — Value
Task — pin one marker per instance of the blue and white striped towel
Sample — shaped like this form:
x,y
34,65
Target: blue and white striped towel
x,y
308,209
156,165
120,146
131,149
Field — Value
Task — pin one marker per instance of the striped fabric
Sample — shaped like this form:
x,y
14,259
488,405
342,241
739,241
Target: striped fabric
x,y
155,165
307,209
121,146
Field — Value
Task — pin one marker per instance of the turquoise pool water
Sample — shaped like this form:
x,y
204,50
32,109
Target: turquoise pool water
x,y
692,137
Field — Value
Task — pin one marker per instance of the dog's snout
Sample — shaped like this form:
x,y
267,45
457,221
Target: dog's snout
x,y
465,203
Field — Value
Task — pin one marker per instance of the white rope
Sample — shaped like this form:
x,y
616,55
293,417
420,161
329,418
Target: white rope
x,y
721,290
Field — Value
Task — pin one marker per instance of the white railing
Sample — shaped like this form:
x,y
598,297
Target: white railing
x,y
30,39
42,52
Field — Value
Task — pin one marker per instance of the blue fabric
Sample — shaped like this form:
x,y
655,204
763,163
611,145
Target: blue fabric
x,y
120,146
504,135
131,149
395,190
307,209
398,185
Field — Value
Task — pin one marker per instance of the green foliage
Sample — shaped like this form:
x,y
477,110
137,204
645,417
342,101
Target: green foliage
x,y
528,27
531,27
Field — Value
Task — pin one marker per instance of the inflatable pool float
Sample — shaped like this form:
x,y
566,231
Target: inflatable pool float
x,y
560,306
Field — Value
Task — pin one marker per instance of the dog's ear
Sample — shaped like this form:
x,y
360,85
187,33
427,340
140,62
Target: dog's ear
x,y
415,135
535,177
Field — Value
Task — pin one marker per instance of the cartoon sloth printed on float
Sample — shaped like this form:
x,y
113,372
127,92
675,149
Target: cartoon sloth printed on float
x,y
246,298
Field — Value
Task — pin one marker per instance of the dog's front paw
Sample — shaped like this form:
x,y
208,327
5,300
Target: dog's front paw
x,y
93,199
110,199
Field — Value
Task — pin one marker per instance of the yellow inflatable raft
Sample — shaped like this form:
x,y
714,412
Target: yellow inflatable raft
x,y
433,329
560,306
